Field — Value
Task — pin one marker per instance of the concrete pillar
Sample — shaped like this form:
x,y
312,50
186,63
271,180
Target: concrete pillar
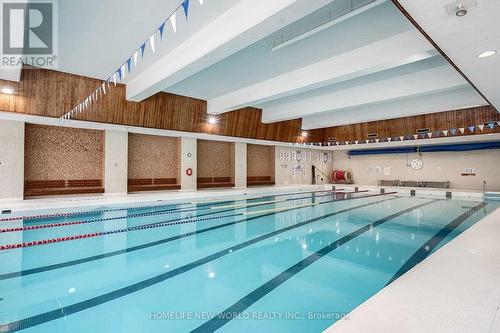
x,y
188,161
11,160
240,165
115,162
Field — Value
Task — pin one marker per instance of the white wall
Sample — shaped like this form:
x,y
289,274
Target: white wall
x,y
438,166
284,171
115,162
188,160
240,165
11,160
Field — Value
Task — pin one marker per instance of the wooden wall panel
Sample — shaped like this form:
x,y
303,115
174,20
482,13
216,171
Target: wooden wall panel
x,y
409,125
50,93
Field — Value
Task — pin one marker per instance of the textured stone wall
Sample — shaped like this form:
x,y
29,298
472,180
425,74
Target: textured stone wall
x,y
152,156
260,161
215,159
62,153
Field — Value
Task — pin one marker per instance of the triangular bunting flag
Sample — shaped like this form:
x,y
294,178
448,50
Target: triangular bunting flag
x,y
337,143
389,139
201,2
347,143
173,21
356,142
143,49
471,128
129,64
367,141
453,131
462,130
162,28
152,42
377,140
114,79
415,136
136,56
122,72
430,135
104,88
185,6
401,138
481,127
491,125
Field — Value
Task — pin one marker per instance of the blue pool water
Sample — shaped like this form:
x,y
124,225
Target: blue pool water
x,y
286,263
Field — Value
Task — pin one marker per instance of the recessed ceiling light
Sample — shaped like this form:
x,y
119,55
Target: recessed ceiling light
x,y
486,54
7,91
461,11
304,134
212,120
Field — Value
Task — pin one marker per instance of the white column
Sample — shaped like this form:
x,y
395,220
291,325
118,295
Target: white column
x,y
240,165
115,162
188,161
11,160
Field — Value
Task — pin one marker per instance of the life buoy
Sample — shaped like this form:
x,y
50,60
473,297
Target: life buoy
x,y
189,172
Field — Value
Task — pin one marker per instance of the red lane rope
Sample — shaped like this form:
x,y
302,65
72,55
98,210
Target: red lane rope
x,y
151,226
157,213
34,217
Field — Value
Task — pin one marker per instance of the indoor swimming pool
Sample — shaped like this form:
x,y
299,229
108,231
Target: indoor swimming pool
x,y
288,262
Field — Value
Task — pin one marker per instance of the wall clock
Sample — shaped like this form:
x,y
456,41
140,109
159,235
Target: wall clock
x,y
417,164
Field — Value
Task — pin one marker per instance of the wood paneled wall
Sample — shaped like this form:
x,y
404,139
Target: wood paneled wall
x,y
409,125
50,93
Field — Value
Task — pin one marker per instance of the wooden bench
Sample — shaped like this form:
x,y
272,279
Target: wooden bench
x,y
34,188
152,184
212,182
260,180
413,183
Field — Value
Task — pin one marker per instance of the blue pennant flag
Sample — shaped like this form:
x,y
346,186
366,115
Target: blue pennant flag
x,y
119,73
491,125
162,28
437,133
471,128
453,131
129,64
143,49
185,6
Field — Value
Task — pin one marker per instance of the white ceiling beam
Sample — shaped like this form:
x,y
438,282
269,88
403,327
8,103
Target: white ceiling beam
x,y
438,102
405,48
436,79
240,26
11,74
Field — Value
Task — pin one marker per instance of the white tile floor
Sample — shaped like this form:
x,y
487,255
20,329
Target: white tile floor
x,y
456,289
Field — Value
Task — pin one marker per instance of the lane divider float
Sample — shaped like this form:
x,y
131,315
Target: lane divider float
x,y
150,226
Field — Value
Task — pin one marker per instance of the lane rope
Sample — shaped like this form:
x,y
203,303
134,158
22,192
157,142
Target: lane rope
x,y
143,227
156,213
44,216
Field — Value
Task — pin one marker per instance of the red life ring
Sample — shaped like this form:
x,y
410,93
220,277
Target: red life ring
x,y
189,172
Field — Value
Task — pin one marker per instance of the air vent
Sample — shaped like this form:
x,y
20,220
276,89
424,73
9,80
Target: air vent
x,y
423,130
332,139
372,135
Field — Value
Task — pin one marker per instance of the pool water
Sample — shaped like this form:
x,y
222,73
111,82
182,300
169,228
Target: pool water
x,y
293,262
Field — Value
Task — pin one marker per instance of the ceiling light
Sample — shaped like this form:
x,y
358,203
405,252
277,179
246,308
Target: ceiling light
x,y
7,91
461,11
304,134
212,120
486,54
